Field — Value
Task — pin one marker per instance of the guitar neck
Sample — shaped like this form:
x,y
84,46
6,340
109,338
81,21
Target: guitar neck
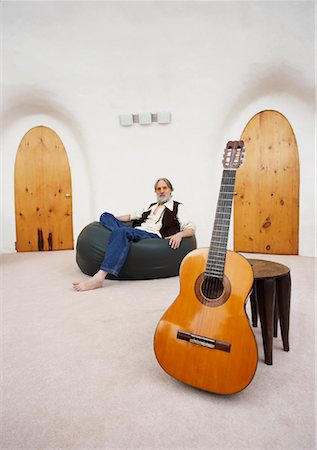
x,y
218,246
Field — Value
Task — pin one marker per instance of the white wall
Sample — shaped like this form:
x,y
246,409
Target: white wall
x,y
75,66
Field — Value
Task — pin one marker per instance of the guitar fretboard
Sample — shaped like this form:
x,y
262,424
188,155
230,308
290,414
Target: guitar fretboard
x,y
218,246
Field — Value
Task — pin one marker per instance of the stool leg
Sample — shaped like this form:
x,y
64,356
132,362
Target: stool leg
x,y
265,294
254,308
283,294
276,316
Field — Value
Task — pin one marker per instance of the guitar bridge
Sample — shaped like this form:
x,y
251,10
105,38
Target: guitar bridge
x,y
204,341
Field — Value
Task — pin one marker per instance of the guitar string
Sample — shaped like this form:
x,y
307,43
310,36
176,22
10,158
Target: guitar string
x,y
221,204
214,284
212,280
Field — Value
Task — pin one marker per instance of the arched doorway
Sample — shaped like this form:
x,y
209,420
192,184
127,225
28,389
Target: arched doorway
x,y
266,204
43,195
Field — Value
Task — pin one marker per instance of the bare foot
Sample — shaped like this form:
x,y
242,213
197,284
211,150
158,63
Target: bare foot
x,y
92,283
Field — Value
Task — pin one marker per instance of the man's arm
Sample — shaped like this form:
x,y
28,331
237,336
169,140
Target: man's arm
x,y
125,218
175,239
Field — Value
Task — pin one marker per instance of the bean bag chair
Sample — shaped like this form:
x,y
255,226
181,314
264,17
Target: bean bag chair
x,y
148,258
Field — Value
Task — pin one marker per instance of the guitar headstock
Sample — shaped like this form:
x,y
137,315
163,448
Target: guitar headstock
x,y
233,155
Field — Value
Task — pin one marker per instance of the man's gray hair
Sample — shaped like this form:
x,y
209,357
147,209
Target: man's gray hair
x,y
169,184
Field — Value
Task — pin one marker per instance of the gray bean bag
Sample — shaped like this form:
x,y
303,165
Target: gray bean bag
x,y
148,258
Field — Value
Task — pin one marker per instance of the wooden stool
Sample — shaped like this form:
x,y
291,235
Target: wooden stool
x,y
270,298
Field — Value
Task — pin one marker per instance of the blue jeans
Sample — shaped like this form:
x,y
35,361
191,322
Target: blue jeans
x,y
119,242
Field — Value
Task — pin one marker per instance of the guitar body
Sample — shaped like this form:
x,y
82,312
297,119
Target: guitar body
x,y
228,367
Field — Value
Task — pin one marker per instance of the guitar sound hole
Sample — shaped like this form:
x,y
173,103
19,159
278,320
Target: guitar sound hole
x,y
212,287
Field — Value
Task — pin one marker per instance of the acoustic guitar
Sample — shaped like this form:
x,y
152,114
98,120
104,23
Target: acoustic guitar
x,y
205,339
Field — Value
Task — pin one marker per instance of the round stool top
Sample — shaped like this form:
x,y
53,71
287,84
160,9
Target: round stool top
x,y
267,269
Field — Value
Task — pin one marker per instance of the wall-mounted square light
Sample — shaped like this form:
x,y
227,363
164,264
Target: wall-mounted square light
x,y
145,118
163,117
126,119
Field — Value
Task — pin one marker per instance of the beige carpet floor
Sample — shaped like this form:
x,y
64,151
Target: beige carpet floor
x,y
79,371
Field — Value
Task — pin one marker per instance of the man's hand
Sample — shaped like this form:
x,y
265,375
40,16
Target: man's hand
x,y
175,240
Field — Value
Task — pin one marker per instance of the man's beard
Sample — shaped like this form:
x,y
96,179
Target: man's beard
x,y
161,199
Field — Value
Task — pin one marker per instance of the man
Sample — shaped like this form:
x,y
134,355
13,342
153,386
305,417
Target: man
x,y
165,219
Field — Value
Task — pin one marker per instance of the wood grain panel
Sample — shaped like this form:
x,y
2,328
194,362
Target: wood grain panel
x,y
43,196
266,204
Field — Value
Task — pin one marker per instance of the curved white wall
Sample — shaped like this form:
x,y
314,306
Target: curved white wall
x,y
75,66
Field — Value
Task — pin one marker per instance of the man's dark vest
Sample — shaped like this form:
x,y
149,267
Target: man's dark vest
x,y
170,224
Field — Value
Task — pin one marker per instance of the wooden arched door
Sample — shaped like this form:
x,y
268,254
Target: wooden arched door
x,y
43,196
266,204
